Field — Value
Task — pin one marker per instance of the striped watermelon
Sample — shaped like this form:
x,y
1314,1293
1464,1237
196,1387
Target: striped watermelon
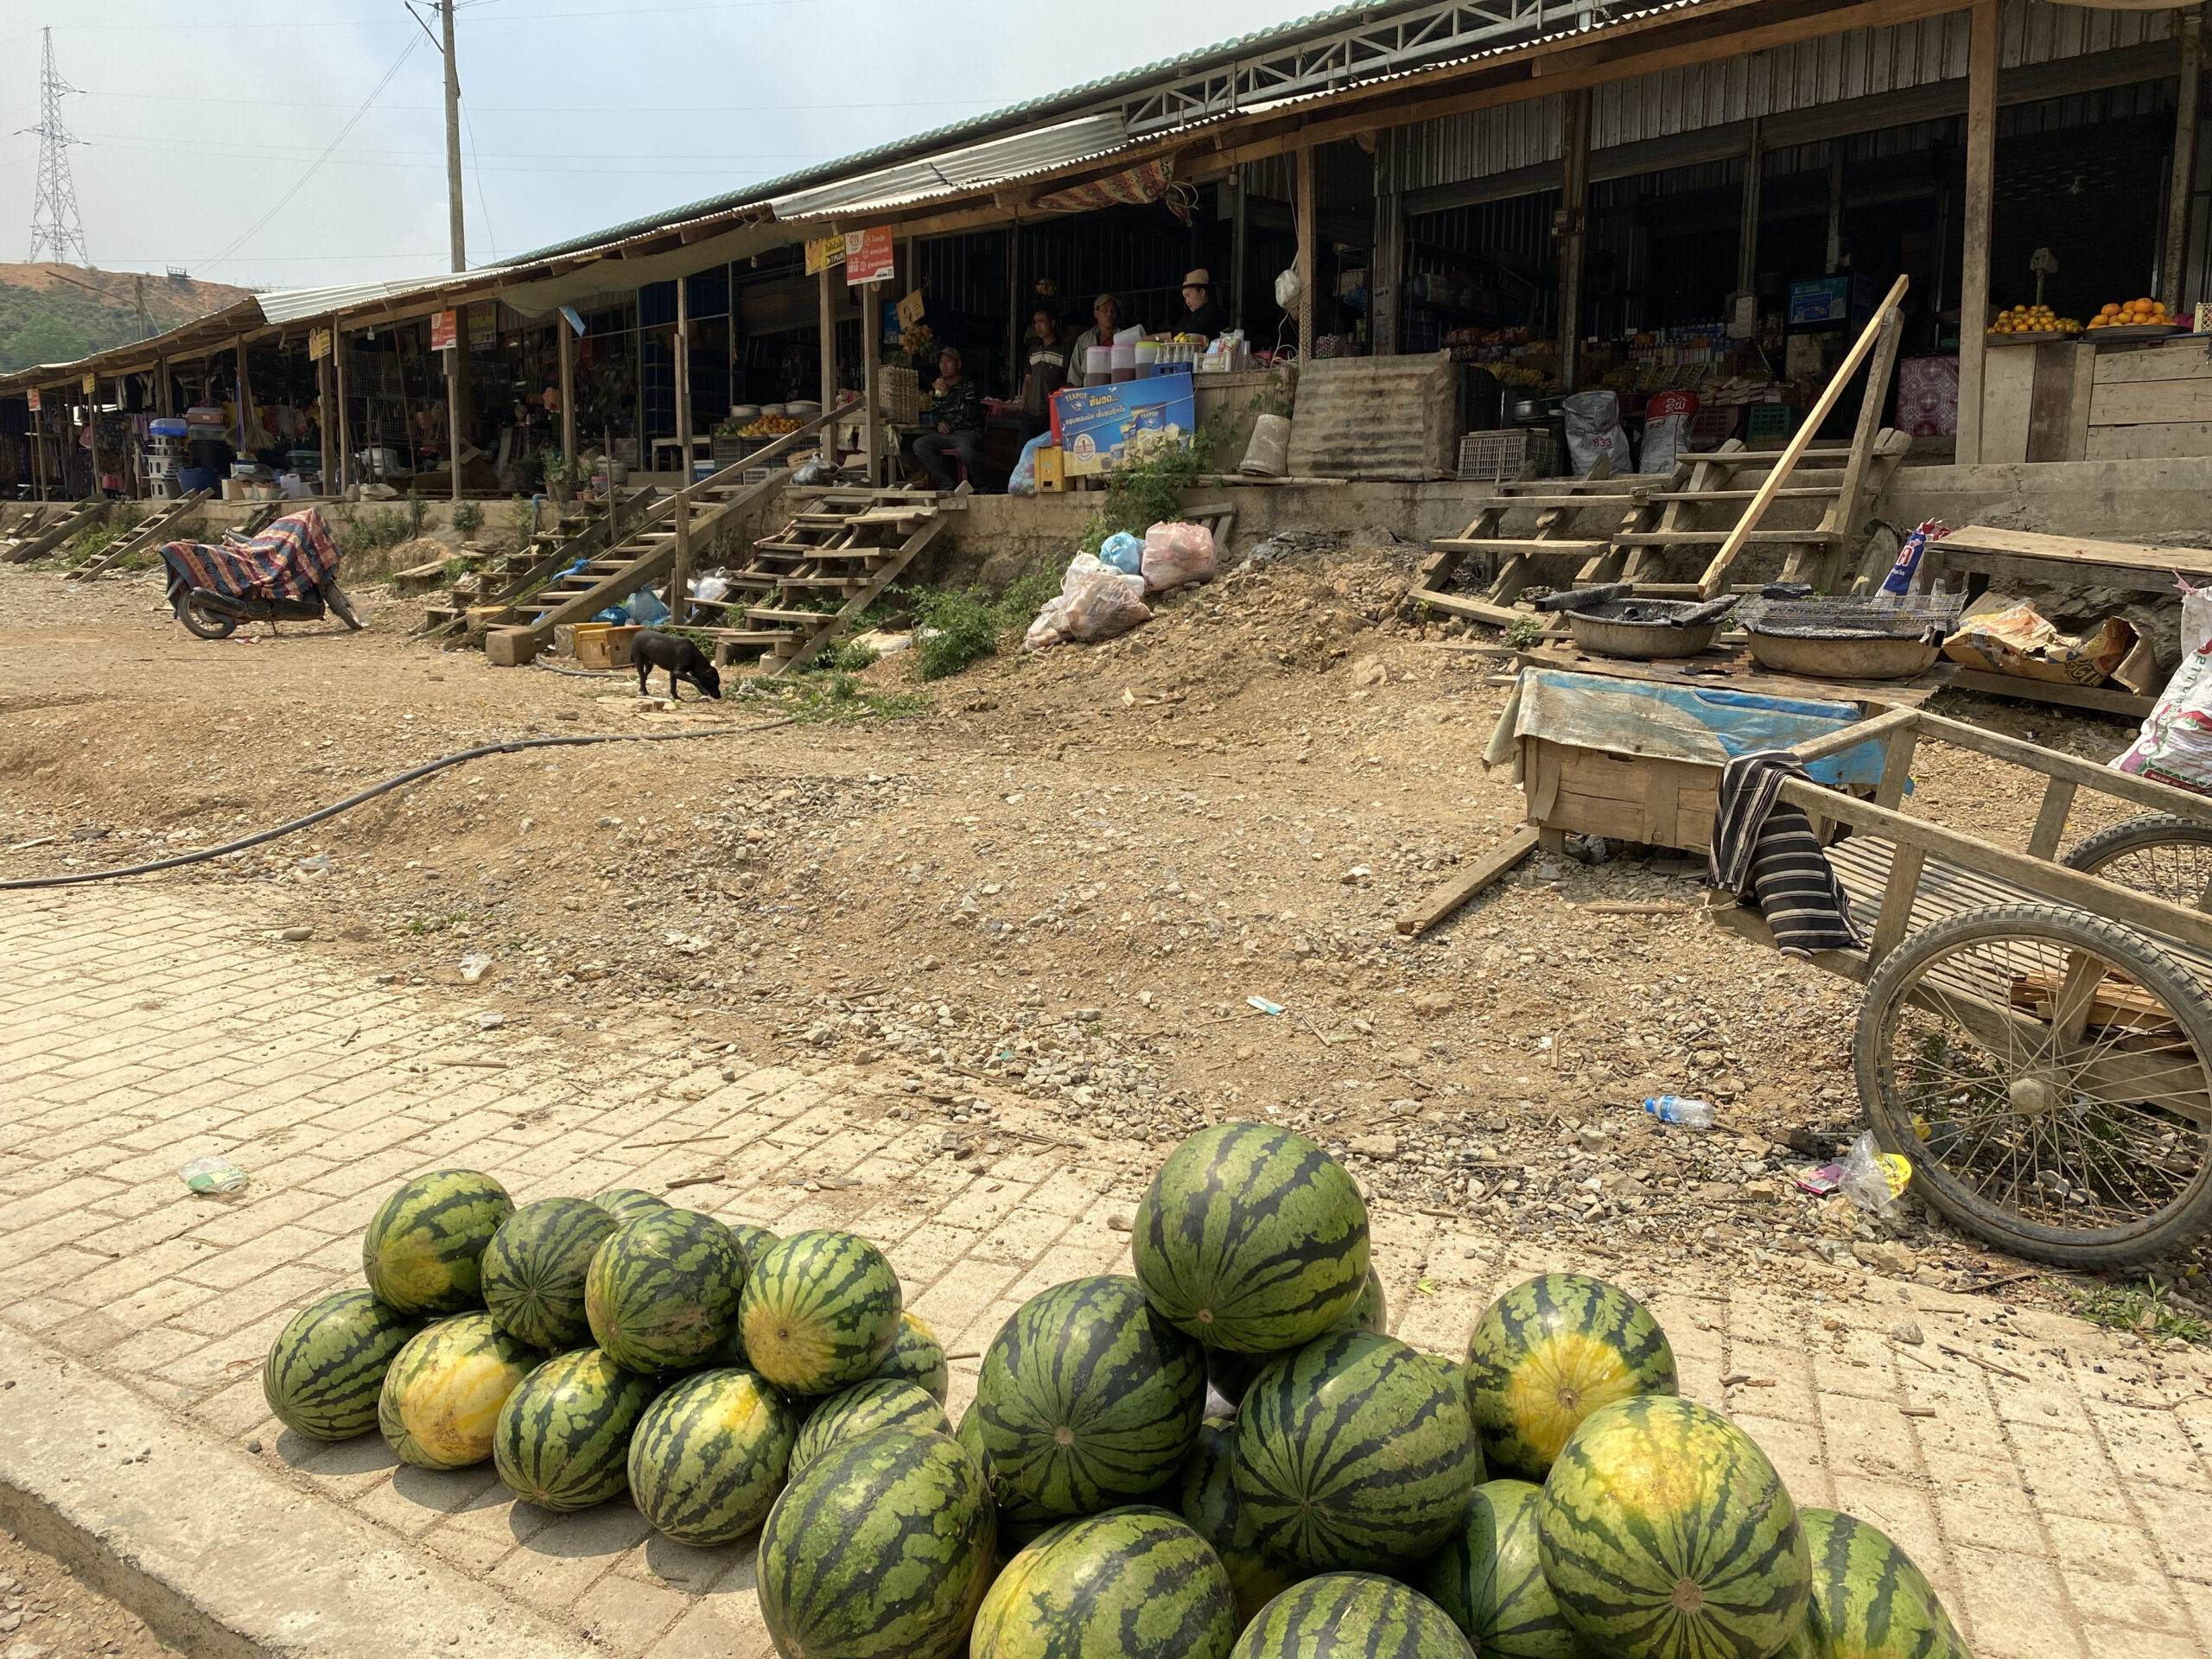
x,y
1351,1616
1665,1534
881,1547
1869,1600
820,1311
662,1291
1210,1503
534,1271
326,1368
1133,1583
441,1398
1088,1398
1487,1578
1230,1373
752,1242
1354,1453
918,1357
422,1251
562,1440
862,1408
1547,1354
1021,1522
708,1457
627,1203
1251,1238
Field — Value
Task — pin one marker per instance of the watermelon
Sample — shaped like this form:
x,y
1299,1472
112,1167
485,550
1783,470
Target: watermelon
x,y
1547,1354
918,1357
1021,1522
1665,1534
752,1242
1355,1453
562,1440
1351,1616
422,1251
1251,1238
534,1270
1134,1583
1869,1600
627,1203
820,1311
441,1398
662,1294
1088,1398
1487,1578
882,1546
1209,1501
326,1368
708,1457
877,1403
1230,1373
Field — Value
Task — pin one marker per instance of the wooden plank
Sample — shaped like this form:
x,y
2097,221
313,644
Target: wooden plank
x,y
1448,900
2161,441
1794,492
1705,537
1475,610
2144,403
1881,728
1897,892
2051,821
1982,69
2051,400
2152,796
2085,362
2075,550
1897,766
2007,394
2183,358
2104,699
82,517
1523,544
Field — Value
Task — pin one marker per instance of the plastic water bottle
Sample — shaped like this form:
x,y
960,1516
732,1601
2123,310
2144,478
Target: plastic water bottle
x,y
1672,1108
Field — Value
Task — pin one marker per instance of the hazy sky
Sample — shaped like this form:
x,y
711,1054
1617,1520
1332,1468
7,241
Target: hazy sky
x,y
198,121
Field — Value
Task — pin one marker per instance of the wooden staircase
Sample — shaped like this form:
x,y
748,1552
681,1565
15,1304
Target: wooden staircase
x,y
847,545
41,535
489,597
150,533
1559,504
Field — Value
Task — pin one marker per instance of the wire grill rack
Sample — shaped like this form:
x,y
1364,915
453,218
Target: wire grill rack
x,y
1872,617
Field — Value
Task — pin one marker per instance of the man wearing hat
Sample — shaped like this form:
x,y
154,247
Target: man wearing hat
x,y
1202,314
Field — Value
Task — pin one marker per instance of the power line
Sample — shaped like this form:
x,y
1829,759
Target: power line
x,y
56,223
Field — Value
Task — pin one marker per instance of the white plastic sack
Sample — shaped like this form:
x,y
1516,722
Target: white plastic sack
x,y
2175,746
1664,438
1177,553
1594,431
1096,602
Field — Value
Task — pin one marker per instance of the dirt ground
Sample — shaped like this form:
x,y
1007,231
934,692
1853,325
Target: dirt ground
x,y
45,1612
1069,872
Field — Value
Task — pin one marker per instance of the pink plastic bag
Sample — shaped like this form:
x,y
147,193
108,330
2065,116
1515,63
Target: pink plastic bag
x,y
1177,553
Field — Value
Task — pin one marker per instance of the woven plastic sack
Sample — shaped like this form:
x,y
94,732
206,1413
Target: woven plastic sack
x,y
1177,553
2175,746
1594,431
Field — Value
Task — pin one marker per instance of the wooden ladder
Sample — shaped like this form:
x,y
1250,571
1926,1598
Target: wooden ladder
x,y
37,544
153,531
1558,503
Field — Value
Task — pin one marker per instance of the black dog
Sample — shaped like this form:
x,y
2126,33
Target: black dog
x,y
682,660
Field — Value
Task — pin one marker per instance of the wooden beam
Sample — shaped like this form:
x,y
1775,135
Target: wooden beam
x,y
325,419
1448,900
829,307
1747,228
2189,23
568,357
1303,215
345,439
682,359
1571,230
871,378
1974,269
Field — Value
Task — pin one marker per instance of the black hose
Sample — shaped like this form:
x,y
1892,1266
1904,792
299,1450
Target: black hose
x,y
511,747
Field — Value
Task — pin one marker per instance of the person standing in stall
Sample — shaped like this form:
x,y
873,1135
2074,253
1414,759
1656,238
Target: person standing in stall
x,y
1106,322
1202,313
1049,370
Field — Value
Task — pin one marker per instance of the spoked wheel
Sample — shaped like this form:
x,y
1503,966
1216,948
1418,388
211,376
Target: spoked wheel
x,y
2162,853
2046,1073
209,625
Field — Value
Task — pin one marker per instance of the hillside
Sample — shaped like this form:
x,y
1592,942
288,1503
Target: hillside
x,y
56,313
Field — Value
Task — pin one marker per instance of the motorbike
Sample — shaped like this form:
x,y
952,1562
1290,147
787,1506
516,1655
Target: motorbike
x,y
288,573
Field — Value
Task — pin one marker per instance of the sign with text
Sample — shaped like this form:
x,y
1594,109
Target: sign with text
x,y
823,252
871,256
1099,424
483,328
318,344
445,329
911,309
92,385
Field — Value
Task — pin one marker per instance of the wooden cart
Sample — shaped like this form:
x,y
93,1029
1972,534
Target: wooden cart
x,y
2035,1035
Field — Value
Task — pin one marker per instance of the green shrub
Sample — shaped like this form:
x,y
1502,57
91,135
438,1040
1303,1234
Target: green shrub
x,y
467,518
956,626
1148,491
418,511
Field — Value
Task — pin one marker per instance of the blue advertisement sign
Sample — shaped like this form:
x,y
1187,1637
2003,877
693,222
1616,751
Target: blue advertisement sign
x,y
1098,424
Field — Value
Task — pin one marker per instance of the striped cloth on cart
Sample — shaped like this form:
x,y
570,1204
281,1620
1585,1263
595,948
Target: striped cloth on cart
x,y
1763,849
289,560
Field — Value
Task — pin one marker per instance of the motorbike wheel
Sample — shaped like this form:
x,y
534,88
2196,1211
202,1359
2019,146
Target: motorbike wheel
x,y
207,625
341,606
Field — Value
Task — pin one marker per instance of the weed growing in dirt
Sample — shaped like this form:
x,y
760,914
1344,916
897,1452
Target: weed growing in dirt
x,y
2141,1308
437,924
522,517
89,544
1522,633
418,511
827,695
960,625
849,656
467,518
1148,491
367,530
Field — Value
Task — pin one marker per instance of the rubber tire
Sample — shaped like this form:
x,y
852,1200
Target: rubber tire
x,y
207,625
2147,964
340,607
2132,836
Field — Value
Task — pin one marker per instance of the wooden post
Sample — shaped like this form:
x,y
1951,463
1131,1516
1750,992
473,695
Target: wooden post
x,y
829,348
1236,267
2181,192
1973,267
679,576
1302,217
567,338
1834,262
1747,224
344,430
92,396
1386,260
326,419
683,361
456,404
247,424
1014,319
872,376
164,399
1572,228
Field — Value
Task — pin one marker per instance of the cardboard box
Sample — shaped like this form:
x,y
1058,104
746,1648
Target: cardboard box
x,y
1832,299
1096,423
593,648
510,647
619,637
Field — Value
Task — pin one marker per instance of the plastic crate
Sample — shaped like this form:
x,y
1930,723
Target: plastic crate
x,y
1771,423
1710,428
1493,457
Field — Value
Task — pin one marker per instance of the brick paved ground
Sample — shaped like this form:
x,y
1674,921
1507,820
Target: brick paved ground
x,y
2058,1488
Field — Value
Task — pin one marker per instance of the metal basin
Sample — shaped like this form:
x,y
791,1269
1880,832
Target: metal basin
x,y
1640,629
1844,657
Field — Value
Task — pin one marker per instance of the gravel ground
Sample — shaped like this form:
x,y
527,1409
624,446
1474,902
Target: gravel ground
x,y
45,1612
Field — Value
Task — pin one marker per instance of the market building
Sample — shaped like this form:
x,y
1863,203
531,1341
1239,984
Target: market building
x,y
1697,201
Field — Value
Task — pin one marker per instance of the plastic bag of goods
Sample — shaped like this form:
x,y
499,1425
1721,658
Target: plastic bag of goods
x,y
2175,746
1024,481
645,606
1124,552
1177,553
1594,431
1096,602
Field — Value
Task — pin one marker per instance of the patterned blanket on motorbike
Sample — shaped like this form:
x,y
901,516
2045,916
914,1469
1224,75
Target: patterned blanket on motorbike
x,y
289,560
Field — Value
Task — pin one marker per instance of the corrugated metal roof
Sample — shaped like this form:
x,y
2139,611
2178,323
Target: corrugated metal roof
x,y
296,304
976,166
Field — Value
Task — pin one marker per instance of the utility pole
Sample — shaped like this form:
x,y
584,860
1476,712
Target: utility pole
x,y
55,224
456,359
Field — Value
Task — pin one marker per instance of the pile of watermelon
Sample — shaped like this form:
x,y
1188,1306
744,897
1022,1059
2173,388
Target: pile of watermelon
x,y
1224,1456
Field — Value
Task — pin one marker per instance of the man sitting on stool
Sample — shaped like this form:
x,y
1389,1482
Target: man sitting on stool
x,y
957,414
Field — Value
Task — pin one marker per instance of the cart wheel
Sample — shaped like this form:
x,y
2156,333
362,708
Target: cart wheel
x,y
2162,853
2046,1073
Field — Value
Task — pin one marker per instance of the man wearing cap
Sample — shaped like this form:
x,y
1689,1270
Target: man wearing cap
x,y
1203,314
